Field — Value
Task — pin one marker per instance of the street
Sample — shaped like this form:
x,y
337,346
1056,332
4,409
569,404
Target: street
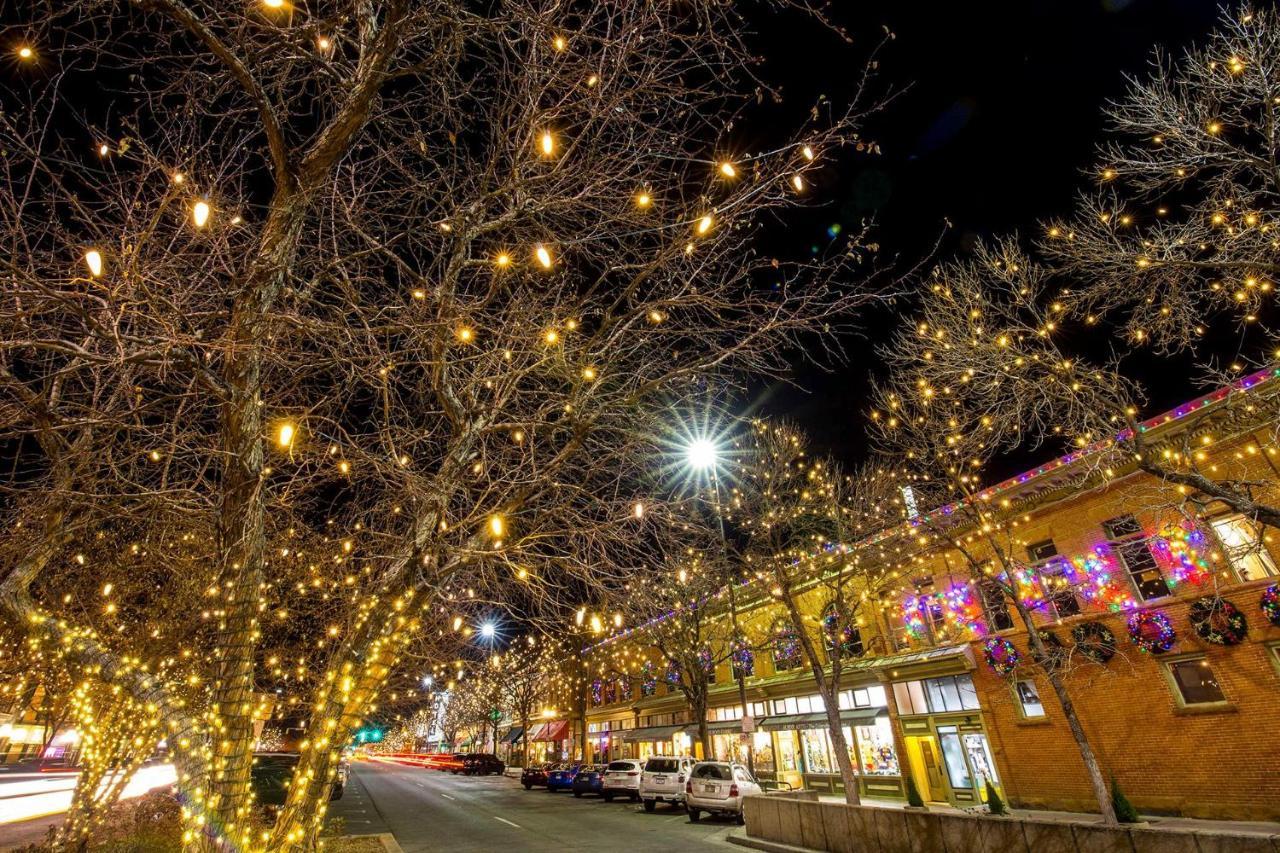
x,y
431,810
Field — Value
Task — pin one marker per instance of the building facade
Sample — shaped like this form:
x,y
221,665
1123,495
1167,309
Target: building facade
x,y
1161,614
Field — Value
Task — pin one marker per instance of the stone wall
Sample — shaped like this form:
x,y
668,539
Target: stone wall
x,y
836,827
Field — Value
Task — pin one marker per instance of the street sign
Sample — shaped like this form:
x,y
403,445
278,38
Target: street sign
x,y
748,724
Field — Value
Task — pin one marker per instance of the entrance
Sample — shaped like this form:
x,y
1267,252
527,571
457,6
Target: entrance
x,y
969,763
922,752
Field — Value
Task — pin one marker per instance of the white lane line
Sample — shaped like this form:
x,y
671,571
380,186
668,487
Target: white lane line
x,y
447,797
507,822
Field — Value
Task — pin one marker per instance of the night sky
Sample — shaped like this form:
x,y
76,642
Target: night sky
x,y
1001,114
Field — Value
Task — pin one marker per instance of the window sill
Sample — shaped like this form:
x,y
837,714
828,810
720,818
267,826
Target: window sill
x,y
1036,721
1205,708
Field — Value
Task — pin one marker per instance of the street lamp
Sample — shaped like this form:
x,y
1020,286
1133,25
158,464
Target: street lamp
x,y
701,454
488,631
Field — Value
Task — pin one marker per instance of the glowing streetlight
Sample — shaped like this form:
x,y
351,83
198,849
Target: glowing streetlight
x,y
488,631
701,454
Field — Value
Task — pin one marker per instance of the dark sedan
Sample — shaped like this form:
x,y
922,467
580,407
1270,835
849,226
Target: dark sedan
x,y
482,764
561,779
590,780
536,775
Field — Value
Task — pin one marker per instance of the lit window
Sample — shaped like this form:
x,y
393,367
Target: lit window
x,y
1029,700
1195,682
1242,542
1130,547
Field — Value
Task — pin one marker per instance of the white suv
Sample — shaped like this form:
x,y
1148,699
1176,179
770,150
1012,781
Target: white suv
x,y
622,779
717,787
663,779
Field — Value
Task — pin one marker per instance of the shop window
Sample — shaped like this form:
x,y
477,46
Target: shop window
x,y
1195,681
1029,700
1128,543
786,646
788,751
817,751
1054,579
909,696
1242,542
762,744
875,755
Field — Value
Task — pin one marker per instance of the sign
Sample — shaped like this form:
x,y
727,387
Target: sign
x,y
748,724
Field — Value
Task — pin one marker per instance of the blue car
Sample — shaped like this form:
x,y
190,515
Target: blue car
x,y
561,779
590,780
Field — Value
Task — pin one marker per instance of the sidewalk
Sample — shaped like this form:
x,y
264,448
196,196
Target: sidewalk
x,y
1244,827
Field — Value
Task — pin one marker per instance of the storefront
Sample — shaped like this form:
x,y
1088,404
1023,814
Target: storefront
x,y
511,744
802,755
656,740
547,742
945,739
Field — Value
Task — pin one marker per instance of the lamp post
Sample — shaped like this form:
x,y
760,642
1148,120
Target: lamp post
x,y
703,455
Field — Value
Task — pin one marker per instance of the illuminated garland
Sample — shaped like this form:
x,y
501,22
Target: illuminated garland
x,y
1270,604
648,679
1001,655
839,630
786,648
1179,548
706,661
744,661
1152,631
673,675
1218,621
597,692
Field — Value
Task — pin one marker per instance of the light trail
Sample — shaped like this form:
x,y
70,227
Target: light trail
x,y
28,798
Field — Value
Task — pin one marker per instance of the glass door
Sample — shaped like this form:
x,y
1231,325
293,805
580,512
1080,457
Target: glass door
x,y
981,763
953,757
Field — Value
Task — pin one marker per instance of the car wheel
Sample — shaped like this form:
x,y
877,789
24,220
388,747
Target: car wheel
x,y
578,794
742,819
635,797
695,815
650,805
608,798
528,787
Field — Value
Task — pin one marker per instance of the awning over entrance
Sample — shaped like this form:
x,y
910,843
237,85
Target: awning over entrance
x,y
513,735
910,658
792,722
722,727
653,733
558,730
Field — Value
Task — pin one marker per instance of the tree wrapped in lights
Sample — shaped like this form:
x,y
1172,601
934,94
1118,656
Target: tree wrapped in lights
x,y
806,534
420,282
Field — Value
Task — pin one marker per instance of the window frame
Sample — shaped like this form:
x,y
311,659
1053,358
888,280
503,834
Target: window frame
x,y
1261,553
1118,542
1167,668
1022,705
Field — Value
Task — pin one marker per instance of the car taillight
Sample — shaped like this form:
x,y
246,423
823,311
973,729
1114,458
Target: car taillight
x,y
733,790
688,787
680,778
633,773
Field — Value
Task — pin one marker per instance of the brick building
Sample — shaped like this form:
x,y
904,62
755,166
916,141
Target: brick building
x,y
1182,708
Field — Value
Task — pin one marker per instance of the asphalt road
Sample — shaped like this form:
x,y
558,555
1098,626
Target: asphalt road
x,y
429,810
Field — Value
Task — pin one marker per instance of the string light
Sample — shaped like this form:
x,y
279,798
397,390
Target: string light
x,y
543,255
25,53
548,144
200,213
643,200
93,260
496,526
727,169
503,259
704,224
285,434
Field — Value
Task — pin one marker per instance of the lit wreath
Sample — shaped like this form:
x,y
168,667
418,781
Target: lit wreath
x,y
1152,631
1271,604
1001,655
1217,620
1095,641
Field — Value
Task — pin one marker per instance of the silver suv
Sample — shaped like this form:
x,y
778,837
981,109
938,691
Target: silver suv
x,y
662,780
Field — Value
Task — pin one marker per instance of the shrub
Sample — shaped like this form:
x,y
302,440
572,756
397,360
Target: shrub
x,y
913,794
995,805
1125,812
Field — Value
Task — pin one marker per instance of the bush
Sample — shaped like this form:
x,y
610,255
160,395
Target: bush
x,y
995,805
913,794
1125,812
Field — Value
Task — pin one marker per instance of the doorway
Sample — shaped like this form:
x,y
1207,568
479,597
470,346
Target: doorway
x,y
926,768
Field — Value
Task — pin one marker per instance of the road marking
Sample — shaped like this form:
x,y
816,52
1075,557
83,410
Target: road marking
x,y
507,822
447,797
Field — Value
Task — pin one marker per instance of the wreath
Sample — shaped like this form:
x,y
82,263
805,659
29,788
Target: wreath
x,y
1055,653
1217,620
1095,641
1001,655
1271,604
1152,631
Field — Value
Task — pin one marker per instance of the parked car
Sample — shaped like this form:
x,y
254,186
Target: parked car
x,y
270,774
482,764
590,780
536,774
561,779
622,779
717,787
663,779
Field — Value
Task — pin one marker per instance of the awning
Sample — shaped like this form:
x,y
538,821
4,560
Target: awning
x,y
513,735
794,722
558,730
653,733
720,727
909,658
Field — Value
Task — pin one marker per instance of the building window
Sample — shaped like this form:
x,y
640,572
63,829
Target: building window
x,y
1195,682
786,646
1242,541
1029,700
1130,547
1054,579
995,606
936,695
840,633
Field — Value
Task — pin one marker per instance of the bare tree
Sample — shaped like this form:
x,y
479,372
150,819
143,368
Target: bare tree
x,y
418,280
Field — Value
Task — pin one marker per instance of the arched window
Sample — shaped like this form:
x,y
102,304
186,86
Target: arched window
x,y
786,646
839,631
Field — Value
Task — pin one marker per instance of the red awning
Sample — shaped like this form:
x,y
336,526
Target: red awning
x,y
558,730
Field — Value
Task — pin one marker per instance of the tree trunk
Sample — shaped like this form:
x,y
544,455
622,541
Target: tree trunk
x,y
1094,772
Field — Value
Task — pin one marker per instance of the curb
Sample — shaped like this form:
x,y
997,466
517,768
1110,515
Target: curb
x,y
389,842
768,846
